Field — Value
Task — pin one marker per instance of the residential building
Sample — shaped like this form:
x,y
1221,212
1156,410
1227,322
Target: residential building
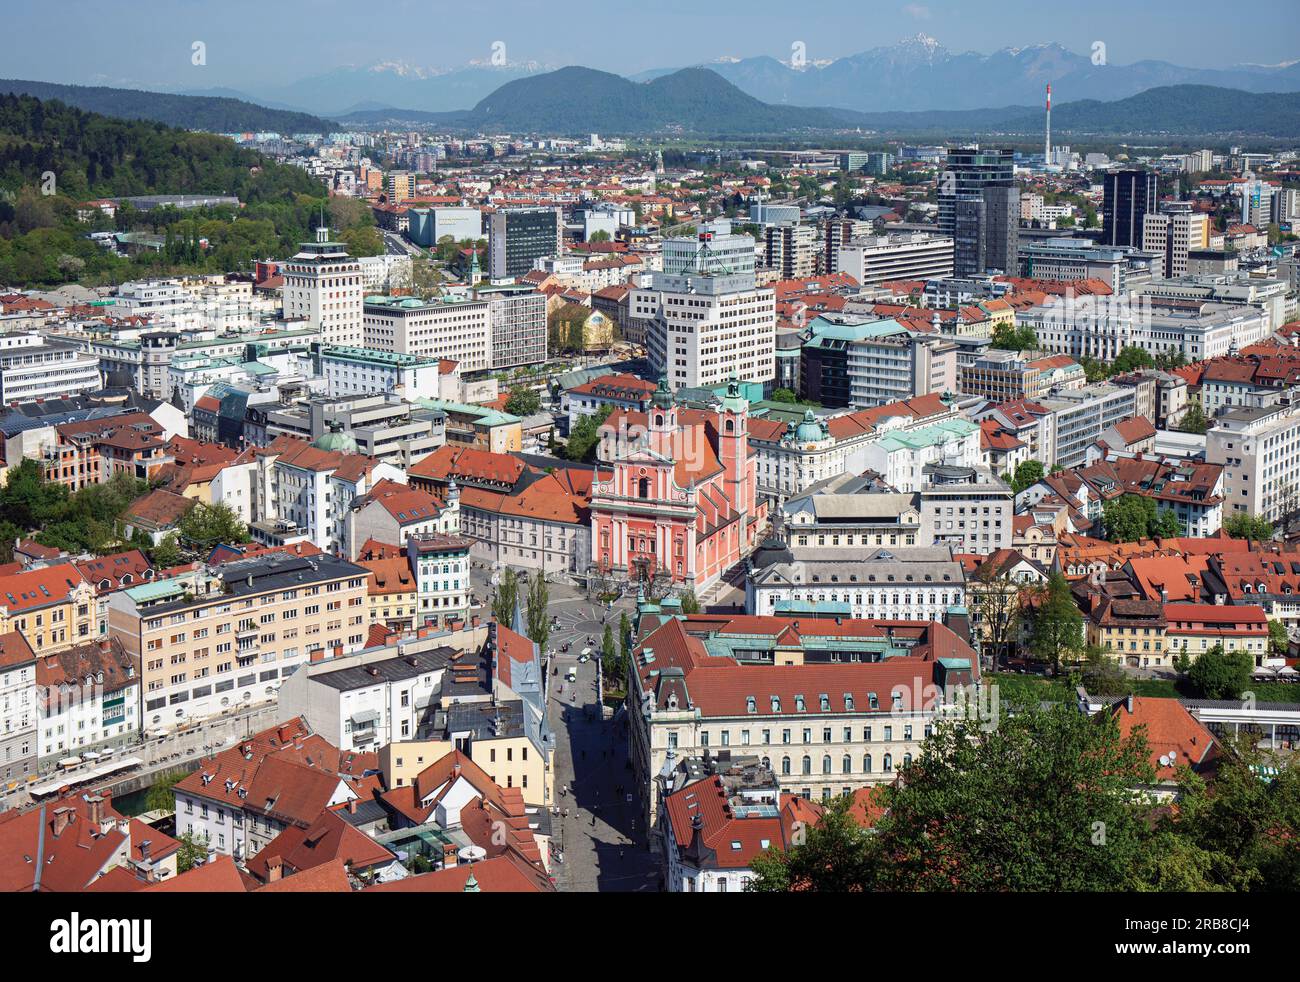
x,y
367,371
459,330
1259,449
908,583
829,704
1193,629
88,700
18,709
391,512
222,637
35,367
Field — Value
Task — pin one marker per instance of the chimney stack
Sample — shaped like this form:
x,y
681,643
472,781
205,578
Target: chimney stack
x,y
274,870
1047,147
63,817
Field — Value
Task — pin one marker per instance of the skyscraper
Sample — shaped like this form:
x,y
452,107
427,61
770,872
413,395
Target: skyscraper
x,y
979,208
518,237
1130,195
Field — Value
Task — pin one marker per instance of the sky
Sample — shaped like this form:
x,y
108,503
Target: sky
x,y
248,43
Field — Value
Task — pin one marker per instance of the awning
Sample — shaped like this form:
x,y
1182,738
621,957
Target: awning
x,y
364,717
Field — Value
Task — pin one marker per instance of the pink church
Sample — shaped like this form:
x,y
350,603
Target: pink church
x,y
683,500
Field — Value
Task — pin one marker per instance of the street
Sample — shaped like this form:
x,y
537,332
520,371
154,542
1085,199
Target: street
x,y
591,762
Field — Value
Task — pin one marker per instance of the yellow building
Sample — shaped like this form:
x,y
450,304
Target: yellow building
x,y
1195,629
391,591
1130,631
54,607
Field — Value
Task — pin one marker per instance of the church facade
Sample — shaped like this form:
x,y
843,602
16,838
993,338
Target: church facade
x,y
682,501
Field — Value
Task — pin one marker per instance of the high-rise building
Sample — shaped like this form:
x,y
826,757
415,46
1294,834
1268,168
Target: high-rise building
x,y
979,209
1172,233
323,286
518,237
1129,196
1257,203
517,316
398,186
791,250
708,320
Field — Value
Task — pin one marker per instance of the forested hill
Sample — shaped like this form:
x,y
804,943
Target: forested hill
x,y
43,242
212,113
95,156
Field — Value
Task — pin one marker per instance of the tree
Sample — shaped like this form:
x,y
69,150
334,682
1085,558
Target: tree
x,y
785,395
834,856
996,599
1028,473
1131,517
205,526
1221,675
1131,359
1010,338
585,436
192,853
1058,624
690,603
167,553
523,401
1102,676
599,236
161,796
1279,642
1243,526
609,657
507,597
1194,419
1244,826
1041,802
1167,524
538,615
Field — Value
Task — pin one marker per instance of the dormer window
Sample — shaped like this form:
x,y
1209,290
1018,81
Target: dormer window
x,y
848,701
872,701
799,705
825,702
776,704
751,704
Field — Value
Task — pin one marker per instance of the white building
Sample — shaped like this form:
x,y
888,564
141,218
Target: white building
x,y
1259,449
899,256
910,583
34,367
708,322
322,285
459,330
365,371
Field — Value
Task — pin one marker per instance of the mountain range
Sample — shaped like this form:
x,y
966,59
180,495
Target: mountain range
x,y
920,74
698,100
915,74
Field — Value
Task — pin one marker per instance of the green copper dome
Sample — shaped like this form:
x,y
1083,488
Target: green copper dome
x,y
335,440
809,431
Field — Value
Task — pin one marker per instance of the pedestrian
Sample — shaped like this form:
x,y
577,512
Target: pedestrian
x,y
593,821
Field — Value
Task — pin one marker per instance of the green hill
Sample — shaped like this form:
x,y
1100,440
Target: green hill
x,y
578,100
214,114
42,242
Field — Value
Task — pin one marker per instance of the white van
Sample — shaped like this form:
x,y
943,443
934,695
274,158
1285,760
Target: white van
x,y
571,675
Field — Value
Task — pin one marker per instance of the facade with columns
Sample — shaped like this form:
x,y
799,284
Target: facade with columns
x,y
682,500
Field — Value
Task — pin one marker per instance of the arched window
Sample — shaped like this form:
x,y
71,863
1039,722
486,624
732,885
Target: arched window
x,y
907,759
826,764
889,763
866,763
847,764
767,764
644,488
785,765
807,764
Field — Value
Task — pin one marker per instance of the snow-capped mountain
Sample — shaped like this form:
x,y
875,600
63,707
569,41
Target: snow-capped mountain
x,y
920,73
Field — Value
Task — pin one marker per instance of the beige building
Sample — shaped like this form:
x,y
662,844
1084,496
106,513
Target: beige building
x,y
219,638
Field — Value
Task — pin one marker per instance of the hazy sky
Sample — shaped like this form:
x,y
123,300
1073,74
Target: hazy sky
x,y
147,43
